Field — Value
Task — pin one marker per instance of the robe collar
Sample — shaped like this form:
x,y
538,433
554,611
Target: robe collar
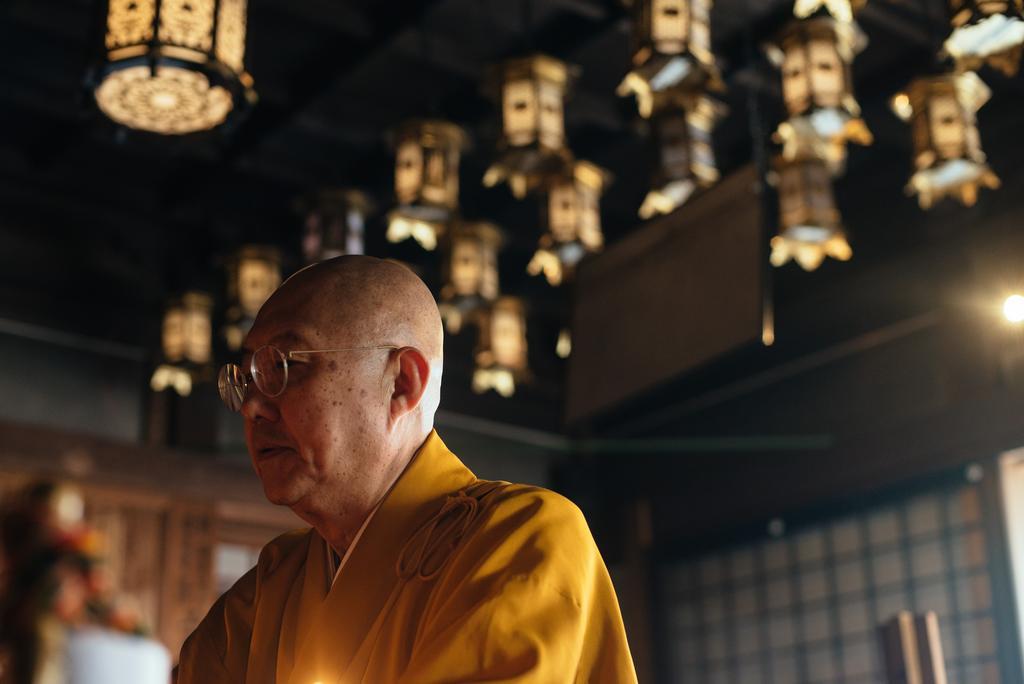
x,y
322,630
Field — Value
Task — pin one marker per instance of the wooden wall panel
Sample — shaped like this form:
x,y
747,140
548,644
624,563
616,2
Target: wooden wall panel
x,y
675,294
159,557
188,582
134,551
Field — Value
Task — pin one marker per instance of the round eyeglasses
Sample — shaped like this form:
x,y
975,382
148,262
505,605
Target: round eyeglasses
x,y
268,370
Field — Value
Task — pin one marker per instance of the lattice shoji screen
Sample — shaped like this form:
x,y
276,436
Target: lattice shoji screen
x,y
161,555
804,607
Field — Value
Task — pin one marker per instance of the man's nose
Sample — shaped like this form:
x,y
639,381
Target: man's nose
x,y
259,407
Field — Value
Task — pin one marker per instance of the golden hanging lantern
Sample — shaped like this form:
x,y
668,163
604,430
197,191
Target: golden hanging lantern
x,y
427,157
810,227
186,343
469,271
501,354
672,49
254,272
532,146
815,56
174,66
948,158
686,157
335,224
573,220
986,32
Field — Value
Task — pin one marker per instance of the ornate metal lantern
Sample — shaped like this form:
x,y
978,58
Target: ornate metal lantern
x,y
686,158
987,32
174,66
335,224
532,145
469,270
672,49
501,355
947,147
815,57
253,274
426,180
810,227
186,343
573,218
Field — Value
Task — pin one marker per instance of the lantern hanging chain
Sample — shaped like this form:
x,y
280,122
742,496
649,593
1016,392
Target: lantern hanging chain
x,y
490,30
527,16
755,123
427,55
936,29
425,52
489,27
97,33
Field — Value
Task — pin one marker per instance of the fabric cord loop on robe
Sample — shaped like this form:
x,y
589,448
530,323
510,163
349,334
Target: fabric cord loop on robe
x,y
426,552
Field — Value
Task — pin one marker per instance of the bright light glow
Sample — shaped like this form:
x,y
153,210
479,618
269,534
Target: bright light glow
x,y
991,35
164,100
501,380
547,262
1013,308
901,105
172,102
166,376
564,346
401,227
667,199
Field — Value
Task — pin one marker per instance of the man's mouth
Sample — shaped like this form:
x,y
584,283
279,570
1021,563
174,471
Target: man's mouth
x,y
269,452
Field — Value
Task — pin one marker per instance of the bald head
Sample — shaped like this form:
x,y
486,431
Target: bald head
x,y
332,442
357,301
362,300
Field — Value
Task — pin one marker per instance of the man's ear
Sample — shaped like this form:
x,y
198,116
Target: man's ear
x,y
411,378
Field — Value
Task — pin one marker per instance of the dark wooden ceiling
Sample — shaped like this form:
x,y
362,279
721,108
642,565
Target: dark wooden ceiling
x,y
99,225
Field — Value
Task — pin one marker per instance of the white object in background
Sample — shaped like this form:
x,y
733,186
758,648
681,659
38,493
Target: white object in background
x,y
1011,475
100,656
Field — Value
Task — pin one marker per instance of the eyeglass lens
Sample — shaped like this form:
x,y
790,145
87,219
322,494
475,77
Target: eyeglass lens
x,y
232,386
270,370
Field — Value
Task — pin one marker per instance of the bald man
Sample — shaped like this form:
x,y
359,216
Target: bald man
x,y
412,570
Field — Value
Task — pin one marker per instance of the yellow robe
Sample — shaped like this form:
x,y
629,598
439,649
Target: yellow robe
x,y
455,579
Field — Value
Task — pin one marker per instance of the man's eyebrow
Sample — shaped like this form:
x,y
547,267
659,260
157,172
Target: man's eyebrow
x,y
290,339
293,336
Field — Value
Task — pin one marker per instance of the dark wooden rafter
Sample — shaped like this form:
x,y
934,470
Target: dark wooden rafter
x,y
320,72
306,82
